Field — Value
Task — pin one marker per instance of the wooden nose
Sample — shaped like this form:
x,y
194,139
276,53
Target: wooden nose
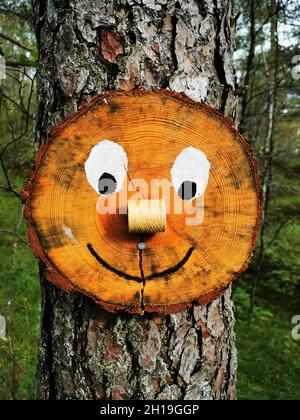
x,y
147,216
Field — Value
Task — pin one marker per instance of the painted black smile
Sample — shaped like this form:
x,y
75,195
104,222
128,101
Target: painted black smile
x,y
126,276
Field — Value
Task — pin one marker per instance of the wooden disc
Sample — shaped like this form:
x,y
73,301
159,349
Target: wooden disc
x,y
152,135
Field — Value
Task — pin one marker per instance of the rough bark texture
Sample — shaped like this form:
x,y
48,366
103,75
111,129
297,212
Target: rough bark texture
x,y
85,47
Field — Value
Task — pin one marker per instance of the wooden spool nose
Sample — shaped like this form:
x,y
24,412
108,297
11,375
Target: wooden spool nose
x,y
147,216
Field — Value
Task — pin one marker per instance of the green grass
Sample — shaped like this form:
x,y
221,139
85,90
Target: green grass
x,y
19,304
269,358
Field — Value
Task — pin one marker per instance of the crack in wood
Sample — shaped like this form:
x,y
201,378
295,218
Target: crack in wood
x,y
142,303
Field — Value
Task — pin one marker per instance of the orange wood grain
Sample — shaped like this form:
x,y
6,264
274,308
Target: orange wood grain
x,y
153,127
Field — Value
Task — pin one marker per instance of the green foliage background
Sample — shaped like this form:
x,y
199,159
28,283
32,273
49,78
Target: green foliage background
x,y
269,358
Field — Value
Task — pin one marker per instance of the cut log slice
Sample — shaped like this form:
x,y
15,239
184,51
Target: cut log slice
x,y
150,145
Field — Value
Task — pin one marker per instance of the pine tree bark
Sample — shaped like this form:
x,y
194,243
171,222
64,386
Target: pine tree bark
x,y
85,47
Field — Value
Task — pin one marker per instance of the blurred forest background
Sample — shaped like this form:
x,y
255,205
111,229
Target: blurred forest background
x,y
267,297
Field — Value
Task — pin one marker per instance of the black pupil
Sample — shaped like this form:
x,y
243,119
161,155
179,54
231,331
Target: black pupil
x,y
187,190
107,184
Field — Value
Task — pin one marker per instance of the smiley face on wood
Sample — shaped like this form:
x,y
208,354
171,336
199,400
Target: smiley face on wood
x,y
188,181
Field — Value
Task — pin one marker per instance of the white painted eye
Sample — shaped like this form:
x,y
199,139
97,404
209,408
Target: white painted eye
x,y
106,167
190,173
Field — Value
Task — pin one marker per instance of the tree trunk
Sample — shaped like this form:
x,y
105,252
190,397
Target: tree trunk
x,y
86,47
243,123
267,167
